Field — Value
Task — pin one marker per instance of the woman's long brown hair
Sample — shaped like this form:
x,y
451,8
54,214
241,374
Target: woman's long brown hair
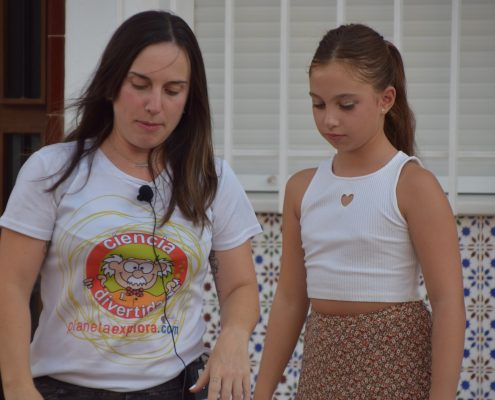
x,y
188,151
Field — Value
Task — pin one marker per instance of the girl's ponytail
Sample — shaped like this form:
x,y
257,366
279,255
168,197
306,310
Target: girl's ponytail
x,y
400,123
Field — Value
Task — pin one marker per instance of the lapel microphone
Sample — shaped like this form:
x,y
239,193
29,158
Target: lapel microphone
x,y
145,194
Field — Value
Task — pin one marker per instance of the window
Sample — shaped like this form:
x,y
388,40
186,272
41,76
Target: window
x,y
31,95
257,53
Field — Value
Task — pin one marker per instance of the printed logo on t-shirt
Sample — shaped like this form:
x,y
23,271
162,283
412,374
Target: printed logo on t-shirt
x,y
132,274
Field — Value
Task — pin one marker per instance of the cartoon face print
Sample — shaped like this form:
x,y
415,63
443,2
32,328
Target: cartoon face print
x,y
121,274
134,273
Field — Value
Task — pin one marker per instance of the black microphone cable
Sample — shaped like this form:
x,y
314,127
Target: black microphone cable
x,y
146,194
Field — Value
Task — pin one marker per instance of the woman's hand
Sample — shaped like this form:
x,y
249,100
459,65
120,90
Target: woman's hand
x,y
227,372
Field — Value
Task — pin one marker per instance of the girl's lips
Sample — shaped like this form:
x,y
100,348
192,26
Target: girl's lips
x,y
333,136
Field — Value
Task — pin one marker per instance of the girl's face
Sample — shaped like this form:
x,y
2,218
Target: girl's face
x,y
348,113
152,98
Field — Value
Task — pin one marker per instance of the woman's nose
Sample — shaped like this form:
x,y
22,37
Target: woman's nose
x,y
153,103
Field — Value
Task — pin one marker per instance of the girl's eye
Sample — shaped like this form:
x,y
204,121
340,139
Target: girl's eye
x,y
171,92
319,106
347,106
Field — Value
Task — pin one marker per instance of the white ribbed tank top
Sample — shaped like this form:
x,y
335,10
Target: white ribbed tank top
x,y
362,251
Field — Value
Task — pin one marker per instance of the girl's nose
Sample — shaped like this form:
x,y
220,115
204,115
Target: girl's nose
x,y
331,120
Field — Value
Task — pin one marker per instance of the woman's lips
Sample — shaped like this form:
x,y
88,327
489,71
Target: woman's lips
x,y
149,126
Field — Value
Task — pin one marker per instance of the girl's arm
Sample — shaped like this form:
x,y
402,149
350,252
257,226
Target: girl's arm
x,y
227,371
20,261
291,303
434,235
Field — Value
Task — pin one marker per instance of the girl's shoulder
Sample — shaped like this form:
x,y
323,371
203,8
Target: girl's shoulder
x,y
296,187
417,185
301,179
415,176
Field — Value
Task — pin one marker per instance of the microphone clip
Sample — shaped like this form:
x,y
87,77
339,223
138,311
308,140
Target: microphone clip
x,y
145,193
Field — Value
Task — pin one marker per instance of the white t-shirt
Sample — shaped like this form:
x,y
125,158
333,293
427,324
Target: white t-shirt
x,y
103,323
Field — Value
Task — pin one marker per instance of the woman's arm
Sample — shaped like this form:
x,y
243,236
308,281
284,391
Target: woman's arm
x,y
434,235
227,371
290,305
20,261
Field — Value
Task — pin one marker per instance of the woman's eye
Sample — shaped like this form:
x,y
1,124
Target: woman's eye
x,y
138,82
174,89
139,86
319,106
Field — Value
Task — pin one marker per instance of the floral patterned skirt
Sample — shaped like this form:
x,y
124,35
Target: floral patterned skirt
x,y
382,355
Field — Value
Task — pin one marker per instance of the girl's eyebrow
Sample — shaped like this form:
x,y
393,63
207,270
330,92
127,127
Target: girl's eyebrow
x,y
142,76
339,96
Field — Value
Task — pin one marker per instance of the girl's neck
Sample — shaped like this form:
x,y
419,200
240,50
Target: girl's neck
x,y
359,163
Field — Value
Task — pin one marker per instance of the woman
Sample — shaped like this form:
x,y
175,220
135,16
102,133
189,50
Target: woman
x,y
120,220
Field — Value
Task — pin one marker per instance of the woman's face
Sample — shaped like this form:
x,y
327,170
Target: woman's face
x,y
348,113
152,98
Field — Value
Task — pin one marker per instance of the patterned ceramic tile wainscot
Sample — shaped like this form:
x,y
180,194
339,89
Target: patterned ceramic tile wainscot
x,y
477,246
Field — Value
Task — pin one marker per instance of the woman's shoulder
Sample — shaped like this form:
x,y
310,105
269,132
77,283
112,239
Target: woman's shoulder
x,y
60,146
55,151
220,163
223,169
47,160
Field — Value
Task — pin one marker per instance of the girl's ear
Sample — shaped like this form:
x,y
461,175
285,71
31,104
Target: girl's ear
x,y
387,99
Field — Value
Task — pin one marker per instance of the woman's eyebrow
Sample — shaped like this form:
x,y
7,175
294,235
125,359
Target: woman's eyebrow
x,y
142,76
139,75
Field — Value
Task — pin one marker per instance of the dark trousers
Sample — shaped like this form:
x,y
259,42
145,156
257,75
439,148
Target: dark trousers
x,y
175,389
52,389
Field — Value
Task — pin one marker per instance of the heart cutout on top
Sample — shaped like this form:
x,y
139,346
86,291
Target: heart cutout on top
x,y
346,199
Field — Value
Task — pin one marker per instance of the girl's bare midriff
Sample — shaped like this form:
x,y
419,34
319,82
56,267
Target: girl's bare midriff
x,y
335,307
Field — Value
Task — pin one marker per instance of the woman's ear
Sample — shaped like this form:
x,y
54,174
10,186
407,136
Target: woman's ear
x,y
387,99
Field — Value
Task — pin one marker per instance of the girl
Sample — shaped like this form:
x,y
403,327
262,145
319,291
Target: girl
x,y
355,232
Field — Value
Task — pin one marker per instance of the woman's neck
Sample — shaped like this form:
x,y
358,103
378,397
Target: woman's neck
x,y
138,167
